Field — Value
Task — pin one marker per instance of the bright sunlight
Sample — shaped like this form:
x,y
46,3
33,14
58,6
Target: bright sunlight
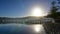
x,y
38,28
37,12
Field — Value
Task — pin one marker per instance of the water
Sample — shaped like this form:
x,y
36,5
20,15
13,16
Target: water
x,y
21,29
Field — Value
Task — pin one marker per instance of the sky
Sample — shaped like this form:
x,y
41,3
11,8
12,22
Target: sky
x,y
18,8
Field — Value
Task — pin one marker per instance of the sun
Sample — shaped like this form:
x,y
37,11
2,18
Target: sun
x,y
37,12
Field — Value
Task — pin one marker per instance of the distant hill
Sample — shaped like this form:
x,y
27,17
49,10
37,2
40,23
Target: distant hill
x,y
18,20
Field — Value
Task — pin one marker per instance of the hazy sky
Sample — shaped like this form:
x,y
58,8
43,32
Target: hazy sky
x,y
17,8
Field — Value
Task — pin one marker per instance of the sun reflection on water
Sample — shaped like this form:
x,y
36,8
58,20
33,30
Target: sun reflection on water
x,y
38,28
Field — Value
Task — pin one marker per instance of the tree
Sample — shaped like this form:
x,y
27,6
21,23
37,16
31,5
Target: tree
x,y
54,9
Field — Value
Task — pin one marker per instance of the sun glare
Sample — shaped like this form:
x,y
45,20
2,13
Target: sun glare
x,y
37,28
37,12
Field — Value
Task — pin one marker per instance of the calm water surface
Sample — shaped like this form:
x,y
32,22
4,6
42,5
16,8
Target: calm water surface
x,y
21,29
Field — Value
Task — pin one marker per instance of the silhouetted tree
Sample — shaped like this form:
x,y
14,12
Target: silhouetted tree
x,y
54,8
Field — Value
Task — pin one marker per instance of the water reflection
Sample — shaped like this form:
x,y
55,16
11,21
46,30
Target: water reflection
x,y
21,29
38,28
